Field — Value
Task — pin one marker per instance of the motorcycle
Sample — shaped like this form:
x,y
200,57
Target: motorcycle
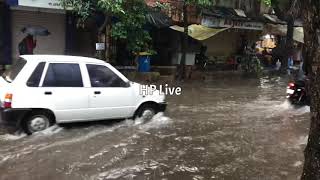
x,y
296,93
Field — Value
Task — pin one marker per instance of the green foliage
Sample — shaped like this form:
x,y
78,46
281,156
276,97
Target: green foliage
x,y
130,26
130,13
267,2
82,8
200,3
162,5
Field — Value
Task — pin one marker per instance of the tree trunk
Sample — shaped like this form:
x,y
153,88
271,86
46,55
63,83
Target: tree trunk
x,y
107,44
287,16
290,29
289,42
311,10
99,53
184,44
102,38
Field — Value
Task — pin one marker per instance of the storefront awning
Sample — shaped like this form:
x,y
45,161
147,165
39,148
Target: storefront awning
x,y
199,32
273,19
298,34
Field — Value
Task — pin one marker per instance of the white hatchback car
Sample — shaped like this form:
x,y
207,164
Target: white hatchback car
x,y
40,90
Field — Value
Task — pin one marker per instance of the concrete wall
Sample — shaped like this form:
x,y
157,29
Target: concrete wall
x,y
222,44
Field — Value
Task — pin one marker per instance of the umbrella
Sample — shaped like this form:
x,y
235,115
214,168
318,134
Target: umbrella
x,y
36,31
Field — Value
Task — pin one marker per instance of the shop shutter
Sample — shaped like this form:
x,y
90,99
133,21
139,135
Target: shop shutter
x,y
54,22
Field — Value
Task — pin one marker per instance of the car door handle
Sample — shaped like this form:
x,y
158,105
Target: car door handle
x,y
48,93
97,92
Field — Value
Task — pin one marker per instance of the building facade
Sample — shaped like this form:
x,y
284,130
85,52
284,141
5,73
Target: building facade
x,y
242,22
38,13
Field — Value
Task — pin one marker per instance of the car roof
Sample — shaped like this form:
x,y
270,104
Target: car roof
x,y
59,58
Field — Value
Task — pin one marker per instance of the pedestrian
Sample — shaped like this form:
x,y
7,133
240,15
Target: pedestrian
x,y
290,64
301,74
298,54
278,65
27,45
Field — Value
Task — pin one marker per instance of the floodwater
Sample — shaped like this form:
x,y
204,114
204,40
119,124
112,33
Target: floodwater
x,y
232,128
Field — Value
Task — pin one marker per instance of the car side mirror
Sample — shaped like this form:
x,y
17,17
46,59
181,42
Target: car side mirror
x,y
128,84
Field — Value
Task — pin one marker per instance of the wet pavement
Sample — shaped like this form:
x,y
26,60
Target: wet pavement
x,y
232,128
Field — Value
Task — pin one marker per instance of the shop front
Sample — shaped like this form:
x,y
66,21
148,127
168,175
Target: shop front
x,y
47,14
227,48
278,33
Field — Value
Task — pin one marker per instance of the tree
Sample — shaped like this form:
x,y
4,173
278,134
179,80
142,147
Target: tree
x,y
311,15
129,14
311,12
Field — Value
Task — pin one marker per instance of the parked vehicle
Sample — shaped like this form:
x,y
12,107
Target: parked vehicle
x,y
201,61
41,90
296,93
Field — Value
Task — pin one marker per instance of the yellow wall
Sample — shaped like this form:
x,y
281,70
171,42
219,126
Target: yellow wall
x,y
227,42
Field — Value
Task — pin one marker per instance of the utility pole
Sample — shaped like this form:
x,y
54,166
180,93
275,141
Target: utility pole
x,y
184,43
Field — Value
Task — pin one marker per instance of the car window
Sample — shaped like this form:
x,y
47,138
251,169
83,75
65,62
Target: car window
x,y
63,75
10,74
102,76
35,77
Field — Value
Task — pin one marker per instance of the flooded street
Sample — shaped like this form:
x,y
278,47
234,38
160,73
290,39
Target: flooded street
x,y
234,128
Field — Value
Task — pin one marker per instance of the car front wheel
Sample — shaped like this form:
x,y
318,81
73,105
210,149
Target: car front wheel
x,y
37,122
147,111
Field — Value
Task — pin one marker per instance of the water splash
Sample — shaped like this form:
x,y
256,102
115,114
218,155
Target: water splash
x,y
20,134
158,121
297,110
86,136
285,105
302,141
49,131
13,137
302,110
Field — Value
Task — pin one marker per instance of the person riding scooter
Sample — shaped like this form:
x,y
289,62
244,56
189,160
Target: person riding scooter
x,y
297,92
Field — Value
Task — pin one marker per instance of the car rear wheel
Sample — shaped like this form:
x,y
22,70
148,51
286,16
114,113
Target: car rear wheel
x,y
37,122
147,111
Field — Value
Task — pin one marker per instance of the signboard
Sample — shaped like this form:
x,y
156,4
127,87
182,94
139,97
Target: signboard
x,y
228,23
100,46
241,24
49,4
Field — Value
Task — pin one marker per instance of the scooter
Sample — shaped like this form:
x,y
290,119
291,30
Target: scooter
x,y
296,93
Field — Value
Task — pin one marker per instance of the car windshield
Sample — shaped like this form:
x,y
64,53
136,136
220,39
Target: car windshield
x,y
10,74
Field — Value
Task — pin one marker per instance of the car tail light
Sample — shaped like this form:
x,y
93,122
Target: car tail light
x,y
7,101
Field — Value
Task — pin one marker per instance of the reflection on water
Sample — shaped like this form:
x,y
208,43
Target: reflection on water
x,y
226,128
